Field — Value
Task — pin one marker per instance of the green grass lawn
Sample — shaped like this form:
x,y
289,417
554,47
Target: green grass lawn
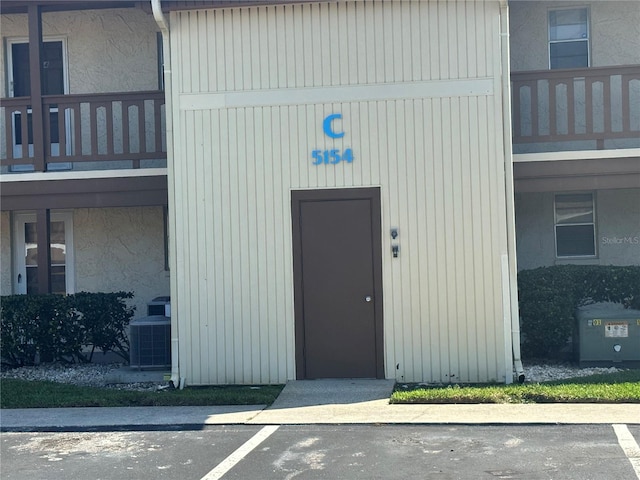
x,y
620,387
40,394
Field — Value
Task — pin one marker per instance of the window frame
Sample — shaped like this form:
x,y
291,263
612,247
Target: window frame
x,y
593,223
587,39
19,221
26,148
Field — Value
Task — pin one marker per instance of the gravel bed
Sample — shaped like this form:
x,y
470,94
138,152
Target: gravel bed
x,y
95,375
544,372
88,375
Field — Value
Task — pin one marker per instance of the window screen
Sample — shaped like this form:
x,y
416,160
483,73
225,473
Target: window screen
x,y
569,38
575,225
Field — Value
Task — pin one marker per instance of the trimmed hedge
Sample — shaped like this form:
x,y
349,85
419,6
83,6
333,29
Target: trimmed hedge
x,y
549,296
59,328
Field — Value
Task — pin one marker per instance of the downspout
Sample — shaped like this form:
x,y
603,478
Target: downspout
x,y
509,193
156,8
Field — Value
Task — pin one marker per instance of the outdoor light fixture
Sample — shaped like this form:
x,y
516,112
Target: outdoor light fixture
x,y
617,347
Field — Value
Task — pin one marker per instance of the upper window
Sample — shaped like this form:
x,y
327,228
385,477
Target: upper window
x,y
575,225
54,82
569,38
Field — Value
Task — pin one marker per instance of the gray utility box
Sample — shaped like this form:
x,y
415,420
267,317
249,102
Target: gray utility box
x,y
608,335
150,342
159,306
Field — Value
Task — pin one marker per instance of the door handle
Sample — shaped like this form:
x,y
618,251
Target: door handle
x,y
367,298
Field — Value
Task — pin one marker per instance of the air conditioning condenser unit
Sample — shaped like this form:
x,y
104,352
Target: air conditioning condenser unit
x,y
150,342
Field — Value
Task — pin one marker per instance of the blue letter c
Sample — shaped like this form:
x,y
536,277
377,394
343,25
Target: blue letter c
x,y
326,126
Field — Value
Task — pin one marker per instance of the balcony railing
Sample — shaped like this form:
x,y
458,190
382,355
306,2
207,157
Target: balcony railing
x,y
596,104
85,128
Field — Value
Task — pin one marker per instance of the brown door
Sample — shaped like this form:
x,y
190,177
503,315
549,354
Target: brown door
x,y
52,73
338,283
52,84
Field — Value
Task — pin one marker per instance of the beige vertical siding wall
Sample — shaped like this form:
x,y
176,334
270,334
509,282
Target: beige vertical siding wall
x,y
418,85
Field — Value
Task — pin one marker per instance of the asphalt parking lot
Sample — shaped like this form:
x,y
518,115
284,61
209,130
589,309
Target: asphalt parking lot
x,y
325,452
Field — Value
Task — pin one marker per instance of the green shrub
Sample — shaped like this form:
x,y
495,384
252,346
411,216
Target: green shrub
x,y
59,328
549,296
20,327
105,317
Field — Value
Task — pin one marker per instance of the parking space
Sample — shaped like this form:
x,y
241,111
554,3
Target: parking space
x,y
559,452
324,452
118,455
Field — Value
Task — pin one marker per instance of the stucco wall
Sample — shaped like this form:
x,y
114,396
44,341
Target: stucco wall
x,y
617,229
115,249
614,33
111,50
121,249
5,254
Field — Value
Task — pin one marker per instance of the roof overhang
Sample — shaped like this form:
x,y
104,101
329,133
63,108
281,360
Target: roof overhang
x,y
577,174
83,192
20,6
168,5
16,6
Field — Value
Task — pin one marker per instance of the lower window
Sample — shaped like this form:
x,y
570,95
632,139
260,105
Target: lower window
x,y
26,253
575,227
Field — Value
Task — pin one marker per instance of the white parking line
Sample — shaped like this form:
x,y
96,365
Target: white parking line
x,y
629,446
242,451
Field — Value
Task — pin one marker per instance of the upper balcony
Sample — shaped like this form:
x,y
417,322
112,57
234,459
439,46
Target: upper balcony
x,y
83,132
82,88
575,78
576,109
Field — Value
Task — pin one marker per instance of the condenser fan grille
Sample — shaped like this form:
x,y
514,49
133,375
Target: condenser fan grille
x,y
150,339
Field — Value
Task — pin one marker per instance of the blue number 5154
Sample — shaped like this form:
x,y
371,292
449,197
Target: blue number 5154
x,y
332,156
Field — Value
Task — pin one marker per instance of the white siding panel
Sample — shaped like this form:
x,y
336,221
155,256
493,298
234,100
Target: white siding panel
x,y
332,44
437,159
335,94
201,50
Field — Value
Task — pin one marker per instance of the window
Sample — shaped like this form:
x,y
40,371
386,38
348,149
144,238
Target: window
x,y
26,253
575,225
54,82
569,38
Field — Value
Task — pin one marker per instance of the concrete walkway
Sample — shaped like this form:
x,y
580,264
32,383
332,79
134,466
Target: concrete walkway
x,y
367,401
306,393
319,402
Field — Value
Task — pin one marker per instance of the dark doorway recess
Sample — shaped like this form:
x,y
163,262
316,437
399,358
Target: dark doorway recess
x,y
338,283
